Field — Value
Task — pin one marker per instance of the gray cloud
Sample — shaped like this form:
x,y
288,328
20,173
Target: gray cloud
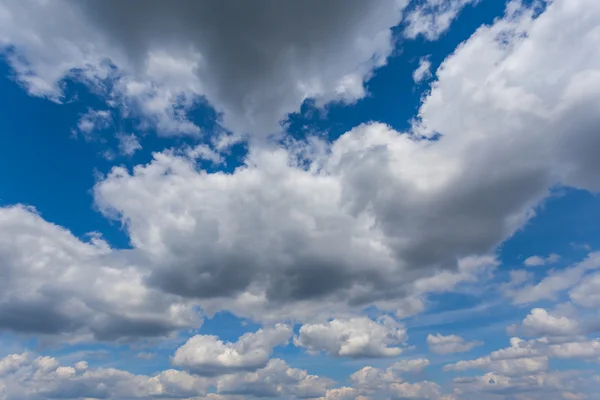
x,y
255,62
54,284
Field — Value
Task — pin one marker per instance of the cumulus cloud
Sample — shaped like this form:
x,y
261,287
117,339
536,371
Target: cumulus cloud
x,y
55,284
423,71
541,323
254,63
539,386
40,378
276,379
389,383
93,120
366,214
375,217
537,261
529,357
208,356
128,143
441,344
431,18
356,337
555,282
587,292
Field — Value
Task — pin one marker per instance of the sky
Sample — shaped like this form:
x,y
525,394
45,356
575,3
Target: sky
x,y
334,200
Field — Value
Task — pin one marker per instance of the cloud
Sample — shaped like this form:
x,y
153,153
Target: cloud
x,y
529,357
276,379
54,284
432,18
208,356
94,120
315,230
541,323
555,282
423,71
587,292
440,344
539,386
508,367
24,376
389,383
537,261
40,378
254,63
357,337
128,144
378,215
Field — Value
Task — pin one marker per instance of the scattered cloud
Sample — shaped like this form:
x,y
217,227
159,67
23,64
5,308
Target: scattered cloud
x,y
356,337
432,18
537,261
423,71
206,355
128,143
441,344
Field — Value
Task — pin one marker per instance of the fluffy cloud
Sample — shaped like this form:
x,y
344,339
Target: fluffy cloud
x,y
541,386
128,143
356,337
508,367
276,379
55,284
389,383
440,344
38,378
23,376
541,323
537,261
311,230
431,18
587,293
207,355
254,63
555,282
524,357
366,214
423,71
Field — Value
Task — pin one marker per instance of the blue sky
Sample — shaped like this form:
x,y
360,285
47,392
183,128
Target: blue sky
x,y
340,200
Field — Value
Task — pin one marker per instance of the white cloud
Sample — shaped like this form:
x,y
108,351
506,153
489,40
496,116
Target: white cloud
x,y
355,337
92,121
390,384
276,379
539,386
43,378
40,378
555,282
359,225
343,393
378,216
431,18
440,344
252,66
128,144
508,367
537,261
55,284
587,292
423,71
525,358
541,323
208,356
